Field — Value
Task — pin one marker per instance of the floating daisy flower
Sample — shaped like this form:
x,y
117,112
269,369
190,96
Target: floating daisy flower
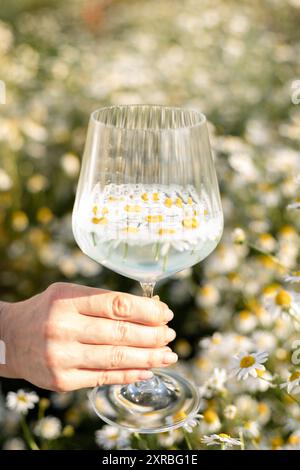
x,y
245,364
21,401
222,439
293,383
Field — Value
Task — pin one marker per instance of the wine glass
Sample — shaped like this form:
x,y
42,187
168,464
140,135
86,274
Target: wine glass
x,y
147,206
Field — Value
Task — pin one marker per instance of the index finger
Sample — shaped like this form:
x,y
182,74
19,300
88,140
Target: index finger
x,y
123,306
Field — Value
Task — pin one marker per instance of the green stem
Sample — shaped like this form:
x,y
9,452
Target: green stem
x,y
241,435
125,251
94,238
187,440
27,435
223,446
141,441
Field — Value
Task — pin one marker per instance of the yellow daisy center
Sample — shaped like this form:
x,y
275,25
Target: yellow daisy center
x,y
210,416
154,218
226,436
190,223
178,202
145,197
294,376
155,197
294,440
166,231
135,208
168,202
99,220
283,299
247,361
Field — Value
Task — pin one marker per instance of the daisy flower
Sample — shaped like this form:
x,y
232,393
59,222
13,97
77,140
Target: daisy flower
x,y
293,383
220,439
245,364
211,421
112,437
284,302
217,380
48,428
21,401
251,429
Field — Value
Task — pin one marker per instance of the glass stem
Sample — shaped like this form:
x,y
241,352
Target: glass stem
x,y
148,288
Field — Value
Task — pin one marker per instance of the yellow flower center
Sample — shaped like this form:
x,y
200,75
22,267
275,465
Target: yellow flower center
x,y
244,314
210,416
178,202
145,197
294,376
262,408
283,299
190,223
222,434
154,218
95,208
260,373
294,440
166,231
276,442
22,398
190,201
247,361
104,210
155,197
112,198
168,202
99,220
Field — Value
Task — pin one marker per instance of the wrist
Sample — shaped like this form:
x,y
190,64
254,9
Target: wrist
x,y
5,366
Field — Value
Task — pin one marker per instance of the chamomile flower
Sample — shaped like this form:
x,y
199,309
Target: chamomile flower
x,y
293,383
245,364
210,422
48,428
284,302
21,401
112,437
251,429
224,440
230,412
217,380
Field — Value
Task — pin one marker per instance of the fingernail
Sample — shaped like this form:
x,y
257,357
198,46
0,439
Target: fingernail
x,y
145,375
171,334
170,358
168,315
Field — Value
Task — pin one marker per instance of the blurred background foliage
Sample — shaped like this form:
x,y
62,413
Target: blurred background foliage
x,y
234,60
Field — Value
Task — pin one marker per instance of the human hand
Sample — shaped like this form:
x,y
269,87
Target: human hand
x,y
72,336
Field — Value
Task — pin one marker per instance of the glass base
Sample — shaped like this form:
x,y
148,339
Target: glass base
x,y
160,404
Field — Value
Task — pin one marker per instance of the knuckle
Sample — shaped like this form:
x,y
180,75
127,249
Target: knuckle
x,y
121,331
121,306
117,357
51,359
102,378
154,359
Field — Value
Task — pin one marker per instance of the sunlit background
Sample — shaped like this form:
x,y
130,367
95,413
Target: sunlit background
x,y
236,61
